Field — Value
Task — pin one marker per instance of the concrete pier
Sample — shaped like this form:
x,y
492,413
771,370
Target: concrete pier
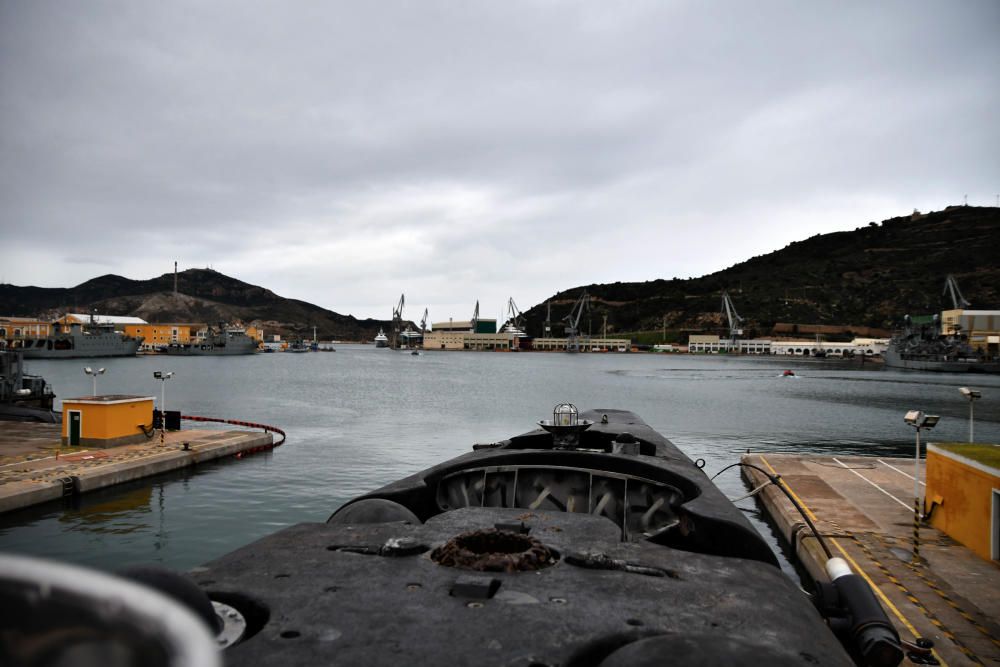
x,y
36,468
863,507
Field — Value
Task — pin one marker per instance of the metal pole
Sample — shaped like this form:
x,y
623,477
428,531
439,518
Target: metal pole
x,y
94,378
163,411
916,502
971,410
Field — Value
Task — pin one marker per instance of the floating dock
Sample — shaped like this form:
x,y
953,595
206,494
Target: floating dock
x,y
36,468
863,507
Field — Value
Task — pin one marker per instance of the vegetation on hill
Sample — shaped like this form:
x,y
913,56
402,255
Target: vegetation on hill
x,y
869,277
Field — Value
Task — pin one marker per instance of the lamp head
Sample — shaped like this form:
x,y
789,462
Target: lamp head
x,y
158,375
971,394
930,421
88,370
913,417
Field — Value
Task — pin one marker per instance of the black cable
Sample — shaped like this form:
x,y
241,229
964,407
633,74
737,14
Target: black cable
x,y
776,480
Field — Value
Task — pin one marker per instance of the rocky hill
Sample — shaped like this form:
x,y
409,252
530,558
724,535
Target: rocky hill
x,y
203,296
869,277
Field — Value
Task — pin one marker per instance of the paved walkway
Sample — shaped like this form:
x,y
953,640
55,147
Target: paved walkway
x,y
35,467
864,507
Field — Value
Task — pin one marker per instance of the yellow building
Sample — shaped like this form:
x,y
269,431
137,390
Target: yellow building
x,y
23,327
158,335
963,490
106,421
256,332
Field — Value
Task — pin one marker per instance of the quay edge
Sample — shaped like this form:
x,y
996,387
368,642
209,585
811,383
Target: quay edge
x,y
33,481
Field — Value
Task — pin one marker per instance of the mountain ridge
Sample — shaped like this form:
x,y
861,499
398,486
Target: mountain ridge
x,y
866,278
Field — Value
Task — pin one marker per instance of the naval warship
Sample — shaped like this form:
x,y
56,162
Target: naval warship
x,y
218,342
75,341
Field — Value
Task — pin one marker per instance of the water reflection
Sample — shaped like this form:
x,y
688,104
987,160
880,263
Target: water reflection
x,y
121,514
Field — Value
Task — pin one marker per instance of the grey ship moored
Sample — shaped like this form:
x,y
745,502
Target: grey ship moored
x,y
23,397
94,339
927,349
226,341
601,547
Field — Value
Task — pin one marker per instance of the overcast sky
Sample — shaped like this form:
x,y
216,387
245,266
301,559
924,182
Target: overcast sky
x,y
344,153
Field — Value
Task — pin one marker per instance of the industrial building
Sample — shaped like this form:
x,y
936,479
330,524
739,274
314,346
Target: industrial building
x,y
982,327
583,344
710,344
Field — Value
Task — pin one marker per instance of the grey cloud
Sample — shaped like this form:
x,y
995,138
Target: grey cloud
x,y
335,152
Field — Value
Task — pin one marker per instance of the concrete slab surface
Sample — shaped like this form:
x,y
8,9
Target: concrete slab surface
x,y
863,507
36,468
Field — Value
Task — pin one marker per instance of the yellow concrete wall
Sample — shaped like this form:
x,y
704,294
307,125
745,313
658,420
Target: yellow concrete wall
x,y
110,420
966,493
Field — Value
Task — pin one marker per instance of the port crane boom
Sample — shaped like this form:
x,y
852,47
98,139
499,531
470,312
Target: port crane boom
x,y
423,323
951,285
732,317
516,316
397,321
573,321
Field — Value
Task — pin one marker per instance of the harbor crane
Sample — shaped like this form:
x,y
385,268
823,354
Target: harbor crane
x,y
573,322
951,285
423,323
397,321
547,327
516,316
734,320
475,317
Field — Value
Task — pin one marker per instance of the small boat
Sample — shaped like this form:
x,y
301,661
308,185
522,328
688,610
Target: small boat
x,y
788,374
298,346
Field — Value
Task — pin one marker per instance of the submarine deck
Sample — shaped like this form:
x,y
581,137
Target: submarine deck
x,y
35,468
863,507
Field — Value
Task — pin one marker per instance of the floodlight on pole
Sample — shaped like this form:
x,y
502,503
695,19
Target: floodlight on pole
x,y
163,377
918,420
94,373
973,395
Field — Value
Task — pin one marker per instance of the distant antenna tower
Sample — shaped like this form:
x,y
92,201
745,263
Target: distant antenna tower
x,y
175,278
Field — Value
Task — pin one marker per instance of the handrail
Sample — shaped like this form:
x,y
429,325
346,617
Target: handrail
x,y
237,422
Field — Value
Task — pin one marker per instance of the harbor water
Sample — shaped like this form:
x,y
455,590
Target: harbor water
x,y
361,417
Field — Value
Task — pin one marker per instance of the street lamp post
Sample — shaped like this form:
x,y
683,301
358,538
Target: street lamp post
x,y
973,395
94,373
163,377
918,420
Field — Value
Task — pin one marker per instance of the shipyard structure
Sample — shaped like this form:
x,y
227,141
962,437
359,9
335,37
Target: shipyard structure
x,y
482,335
